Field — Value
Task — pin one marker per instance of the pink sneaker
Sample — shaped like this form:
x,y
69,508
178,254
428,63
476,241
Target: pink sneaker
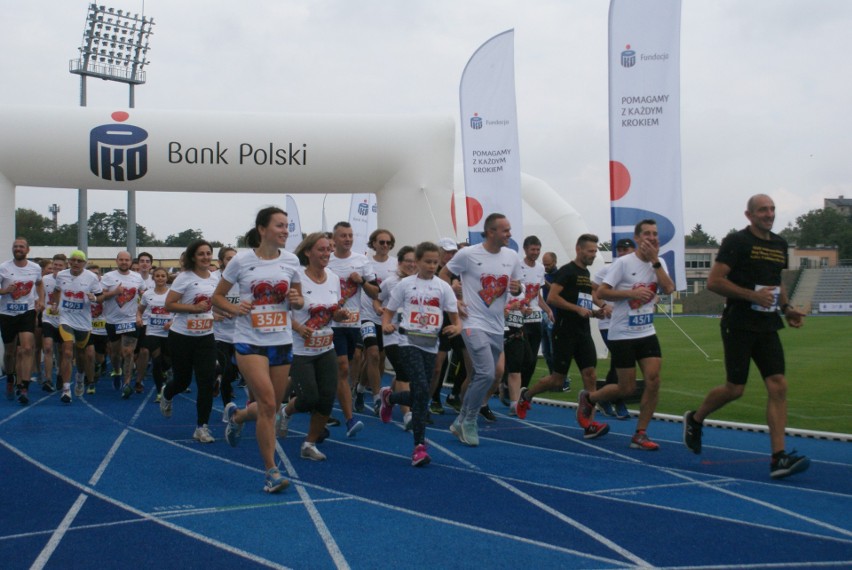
x,y
643,442
523,405
585,409
386,409
420,458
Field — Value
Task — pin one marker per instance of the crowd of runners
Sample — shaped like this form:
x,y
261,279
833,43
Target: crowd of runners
x,y
302,330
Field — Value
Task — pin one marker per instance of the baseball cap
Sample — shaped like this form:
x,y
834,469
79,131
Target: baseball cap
x,y
77,254
448,244
625,243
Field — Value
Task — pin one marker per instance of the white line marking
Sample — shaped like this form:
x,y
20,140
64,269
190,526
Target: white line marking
x,y
57,535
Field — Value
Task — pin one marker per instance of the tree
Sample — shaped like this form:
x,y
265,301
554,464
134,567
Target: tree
x,y
698,237
183,238
825,227
32,226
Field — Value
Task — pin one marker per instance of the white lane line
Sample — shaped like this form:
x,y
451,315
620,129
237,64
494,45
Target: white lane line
x,y
23,409
325,534
59,533
142,514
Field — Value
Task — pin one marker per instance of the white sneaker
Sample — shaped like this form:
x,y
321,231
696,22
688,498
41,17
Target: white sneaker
x,y
165,405
282,423
79,386
202,434
310,451
406,421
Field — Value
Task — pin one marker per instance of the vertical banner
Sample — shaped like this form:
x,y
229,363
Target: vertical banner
x,y
489,128
644,124
364,217
295,225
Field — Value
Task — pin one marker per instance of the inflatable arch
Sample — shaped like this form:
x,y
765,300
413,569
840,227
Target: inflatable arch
x,y
407,161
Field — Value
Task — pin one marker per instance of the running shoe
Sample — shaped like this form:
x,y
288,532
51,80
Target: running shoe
x,y
456,430
595,429
454,401
524,405
90,388
310,451
65,398
513,409
377,406
217,383
116,379
282,423
642,441
585,409
606,409
436,408
504,395
139,387
10,390
566,384
274,481
165,405
486,413
470,431
332,421
691,432
126,390
359,401
234,430
324,435
407,421
621,411
157,398
353,426
47,386
385,405
79,385
420,458
23,397
784,465
202,434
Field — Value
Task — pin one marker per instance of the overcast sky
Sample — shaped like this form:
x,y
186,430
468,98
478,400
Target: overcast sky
x,y
765,87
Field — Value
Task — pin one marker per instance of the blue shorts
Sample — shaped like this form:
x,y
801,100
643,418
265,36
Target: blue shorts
x,y
345,341
277,355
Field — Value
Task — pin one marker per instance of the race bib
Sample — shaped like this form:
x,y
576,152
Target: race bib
x,y
534,317
514,320
17,307
368,329
99,325
72,305
584,300
319,341
269,318
354,317
641,318
200,324
158,321
771,309
122,328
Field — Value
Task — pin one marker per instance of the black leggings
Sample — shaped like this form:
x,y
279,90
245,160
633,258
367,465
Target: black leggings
x,y
193,354
226,368
314,382
532,334
418,365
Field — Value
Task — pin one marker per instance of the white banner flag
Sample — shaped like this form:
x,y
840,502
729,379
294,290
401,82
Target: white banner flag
x,y
364,217
295,225
489,128
644,123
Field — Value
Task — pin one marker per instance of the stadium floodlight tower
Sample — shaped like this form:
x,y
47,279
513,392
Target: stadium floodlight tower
x,y
115,48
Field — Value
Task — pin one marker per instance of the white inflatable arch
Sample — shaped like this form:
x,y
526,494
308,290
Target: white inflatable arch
x,y
407,161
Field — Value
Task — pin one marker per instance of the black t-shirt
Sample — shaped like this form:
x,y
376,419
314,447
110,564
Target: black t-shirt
x,y
576,289
753,262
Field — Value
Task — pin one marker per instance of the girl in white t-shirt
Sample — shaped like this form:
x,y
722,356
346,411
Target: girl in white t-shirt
x,y
152,308
314,359
422,299
268,276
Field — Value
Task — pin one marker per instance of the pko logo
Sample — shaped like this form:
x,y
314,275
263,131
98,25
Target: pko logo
x,y
118,152
476,121
628,57
363,208
291,227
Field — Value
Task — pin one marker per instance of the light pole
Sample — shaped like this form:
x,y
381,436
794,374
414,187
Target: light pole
x,y
115,48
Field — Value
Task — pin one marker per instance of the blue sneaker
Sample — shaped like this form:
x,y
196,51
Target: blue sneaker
x,y
621,411
234,430
274,481
353,426
606,409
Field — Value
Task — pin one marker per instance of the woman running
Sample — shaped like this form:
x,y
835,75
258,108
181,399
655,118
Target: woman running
x,y
314,359
223,332
268,280
191,336
152,308
421,298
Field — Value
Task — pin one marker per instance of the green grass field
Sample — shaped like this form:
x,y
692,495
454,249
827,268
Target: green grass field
x,y
818,397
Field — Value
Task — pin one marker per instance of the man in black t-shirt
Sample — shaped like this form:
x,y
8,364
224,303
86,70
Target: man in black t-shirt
x,y
748,272
571,296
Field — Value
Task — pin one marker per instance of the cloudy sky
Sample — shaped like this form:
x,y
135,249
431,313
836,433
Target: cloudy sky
x,y
765,89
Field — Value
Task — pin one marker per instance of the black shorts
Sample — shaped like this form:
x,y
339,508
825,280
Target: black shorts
x,y
515,349
115,335
576,345
626,353
99,341
154,343
392,352
12,325
371,335
743,346
140,339
50,331
345,341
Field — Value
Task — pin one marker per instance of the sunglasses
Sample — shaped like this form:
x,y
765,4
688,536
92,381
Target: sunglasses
x,y
384,242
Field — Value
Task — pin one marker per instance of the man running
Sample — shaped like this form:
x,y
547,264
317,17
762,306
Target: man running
x,y
122,288
748,272
21,297
488,271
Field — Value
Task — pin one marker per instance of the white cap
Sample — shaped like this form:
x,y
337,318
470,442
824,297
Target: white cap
x,y
447,244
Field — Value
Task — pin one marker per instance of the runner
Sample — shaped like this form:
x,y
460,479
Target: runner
x,y
314,368
50,339
98,339
748,272
421,298
152,309
533,278
191,336
488,272
223,332
76,289
571,294
21,298
143,355
269,282
122,288
451,369
632,283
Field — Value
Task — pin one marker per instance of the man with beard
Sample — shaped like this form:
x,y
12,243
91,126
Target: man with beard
x,y
122,288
